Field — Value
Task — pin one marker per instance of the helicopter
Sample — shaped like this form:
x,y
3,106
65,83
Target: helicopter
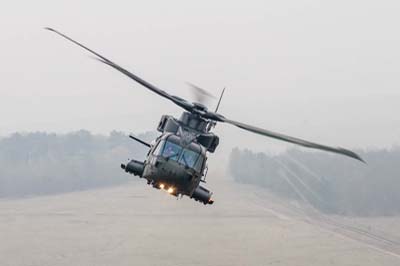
x,y
176,160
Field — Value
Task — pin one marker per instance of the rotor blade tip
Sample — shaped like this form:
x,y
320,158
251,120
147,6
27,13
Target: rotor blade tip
x,y
358,157
48,28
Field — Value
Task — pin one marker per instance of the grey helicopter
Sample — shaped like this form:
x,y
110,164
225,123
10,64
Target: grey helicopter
x,y
176,160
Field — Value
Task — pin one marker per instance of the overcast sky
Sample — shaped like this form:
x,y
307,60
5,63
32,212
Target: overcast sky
x,y
326,71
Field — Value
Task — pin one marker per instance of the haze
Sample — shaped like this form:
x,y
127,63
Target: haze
x,y
325,71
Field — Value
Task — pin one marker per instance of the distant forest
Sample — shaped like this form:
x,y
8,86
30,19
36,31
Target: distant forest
x,y
42,163
329,182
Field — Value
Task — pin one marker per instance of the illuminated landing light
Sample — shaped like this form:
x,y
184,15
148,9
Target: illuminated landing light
x,y
170,190
162,186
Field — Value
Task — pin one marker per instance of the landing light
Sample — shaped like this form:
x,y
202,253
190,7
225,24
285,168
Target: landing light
x,y
170,190
162,186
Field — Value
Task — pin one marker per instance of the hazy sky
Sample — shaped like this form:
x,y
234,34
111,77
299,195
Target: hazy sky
x,y
321,70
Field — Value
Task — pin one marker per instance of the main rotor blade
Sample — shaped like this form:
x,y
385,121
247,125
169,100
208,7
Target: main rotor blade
x,y
175,99
297,141
210,115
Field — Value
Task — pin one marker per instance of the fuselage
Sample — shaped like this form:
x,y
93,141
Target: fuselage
x,y
174,165
176,161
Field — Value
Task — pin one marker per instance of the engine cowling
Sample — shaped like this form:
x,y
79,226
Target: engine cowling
x,y
134,167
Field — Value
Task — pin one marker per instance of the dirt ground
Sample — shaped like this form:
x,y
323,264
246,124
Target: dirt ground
x,y
137,225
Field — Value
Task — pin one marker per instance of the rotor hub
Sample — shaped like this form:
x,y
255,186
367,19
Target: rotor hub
x,y
200,107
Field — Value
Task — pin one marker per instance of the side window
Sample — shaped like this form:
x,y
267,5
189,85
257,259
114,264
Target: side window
x,y
199,163
157,150
171,151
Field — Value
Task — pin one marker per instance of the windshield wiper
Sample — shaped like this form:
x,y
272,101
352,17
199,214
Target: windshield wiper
x,y
172,155
184,160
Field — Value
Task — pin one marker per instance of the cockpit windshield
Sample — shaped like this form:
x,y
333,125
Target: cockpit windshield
x,y
171,151
188,156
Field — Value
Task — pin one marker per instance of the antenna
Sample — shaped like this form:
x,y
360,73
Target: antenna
x,y
220,98
213,123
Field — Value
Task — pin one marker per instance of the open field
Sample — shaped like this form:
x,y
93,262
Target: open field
x,y
137,225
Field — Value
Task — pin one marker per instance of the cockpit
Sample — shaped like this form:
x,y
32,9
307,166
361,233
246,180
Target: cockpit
x,y
190,156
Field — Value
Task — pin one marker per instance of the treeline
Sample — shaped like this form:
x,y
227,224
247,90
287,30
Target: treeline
x,y
42,163
331,183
